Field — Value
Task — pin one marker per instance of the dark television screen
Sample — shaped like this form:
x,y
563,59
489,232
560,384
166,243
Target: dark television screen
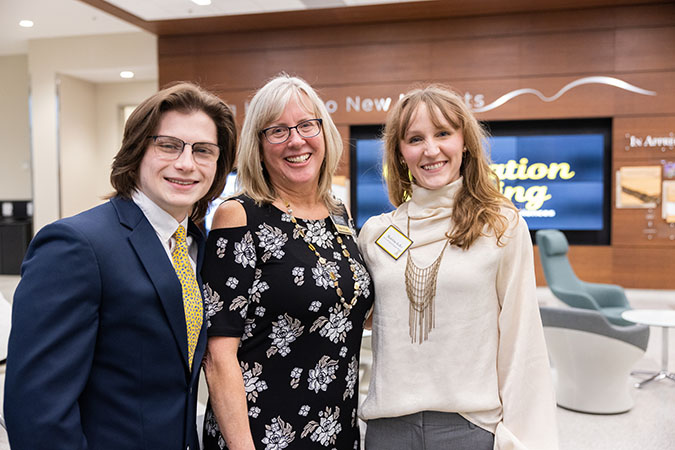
x,y
556,172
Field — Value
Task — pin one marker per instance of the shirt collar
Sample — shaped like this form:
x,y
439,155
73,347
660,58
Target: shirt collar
x,y
163,222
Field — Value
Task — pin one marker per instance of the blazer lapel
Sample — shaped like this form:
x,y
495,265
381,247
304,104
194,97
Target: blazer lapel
x,y
152,255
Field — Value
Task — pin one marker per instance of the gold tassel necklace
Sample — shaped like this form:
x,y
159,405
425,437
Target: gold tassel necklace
x,y
420,285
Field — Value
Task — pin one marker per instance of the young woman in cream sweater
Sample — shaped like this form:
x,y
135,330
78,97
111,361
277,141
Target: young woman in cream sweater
x,y
459,354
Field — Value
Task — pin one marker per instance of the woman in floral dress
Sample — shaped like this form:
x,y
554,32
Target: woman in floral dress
x,y
286,290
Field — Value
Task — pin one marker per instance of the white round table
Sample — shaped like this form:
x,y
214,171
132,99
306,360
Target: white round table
x,y
664,318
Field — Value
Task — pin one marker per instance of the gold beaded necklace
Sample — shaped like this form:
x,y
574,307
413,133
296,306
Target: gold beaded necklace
x,y
324,263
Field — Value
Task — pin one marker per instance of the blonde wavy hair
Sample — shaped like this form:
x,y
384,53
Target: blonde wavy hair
x,y
479,202
267,106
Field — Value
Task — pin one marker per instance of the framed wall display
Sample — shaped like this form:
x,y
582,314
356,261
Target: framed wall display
x,y
638,186
668,202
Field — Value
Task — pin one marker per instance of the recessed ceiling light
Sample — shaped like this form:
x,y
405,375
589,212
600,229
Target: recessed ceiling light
x,y
26,23
202,2
126,74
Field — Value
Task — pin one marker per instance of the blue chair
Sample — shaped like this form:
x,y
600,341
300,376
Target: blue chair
x,y
609,299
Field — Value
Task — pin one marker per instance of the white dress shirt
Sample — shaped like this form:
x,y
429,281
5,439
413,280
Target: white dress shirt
x,y
165,226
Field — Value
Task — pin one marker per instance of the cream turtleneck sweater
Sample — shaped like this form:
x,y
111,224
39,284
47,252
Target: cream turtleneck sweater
x,y
486,357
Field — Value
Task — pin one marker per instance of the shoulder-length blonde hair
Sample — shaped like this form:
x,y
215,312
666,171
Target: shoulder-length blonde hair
x,y
478,202
267,106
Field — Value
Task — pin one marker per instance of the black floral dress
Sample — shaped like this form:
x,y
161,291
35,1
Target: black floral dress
x,y
299,351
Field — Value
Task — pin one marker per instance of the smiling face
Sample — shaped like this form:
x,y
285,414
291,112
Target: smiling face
x,y
433,153
175,186
294,165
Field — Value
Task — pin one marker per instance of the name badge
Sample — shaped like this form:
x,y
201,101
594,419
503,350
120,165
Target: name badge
x,y
394,242
340,224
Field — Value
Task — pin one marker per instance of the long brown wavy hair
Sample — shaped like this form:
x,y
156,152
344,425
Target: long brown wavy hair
x,y
478,203
142,123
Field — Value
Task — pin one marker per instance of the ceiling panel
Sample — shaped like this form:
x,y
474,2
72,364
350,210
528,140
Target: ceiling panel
x,y
184,9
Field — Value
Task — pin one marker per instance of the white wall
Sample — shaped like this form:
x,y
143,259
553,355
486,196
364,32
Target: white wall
x,y
110,99
78,158
48,59
90,134
15,173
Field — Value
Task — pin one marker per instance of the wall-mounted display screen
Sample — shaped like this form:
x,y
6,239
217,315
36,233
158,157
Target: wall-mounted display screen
x,y
555,172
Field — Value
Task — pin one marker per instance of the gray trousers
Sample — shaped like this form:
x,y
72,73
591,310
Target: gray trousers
x,y
427,430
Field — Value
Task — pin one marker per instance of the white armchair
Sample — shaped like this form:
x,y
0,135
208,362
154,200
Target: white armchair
x,y
592,359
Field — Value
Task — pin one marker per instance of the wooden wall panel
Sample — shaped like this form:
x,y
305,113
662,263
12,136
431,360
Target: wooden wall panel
x,y
662,82
464,58
501,25
651,268
362,68
590,263
559,53
645,49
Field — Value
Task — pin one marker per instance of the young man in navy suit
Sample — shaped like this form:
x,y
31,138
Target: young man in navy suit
x,y
107,325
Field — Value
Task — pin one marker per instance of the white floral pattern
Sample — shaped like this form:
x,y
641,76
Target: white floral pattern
x,y
278,435
321,274
272,240
221,245
244,251
211,429
210,424
315,306
256,290
296,373
351,378
232,283
253,384
298,275
322,374
362,277
335,327
284,332
249,326
212,303
324,431
317,233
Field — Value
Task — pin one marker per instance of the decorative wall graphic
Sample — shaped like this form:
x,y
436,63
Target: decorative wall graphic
x,y
610,81
668,206
668,169
638,187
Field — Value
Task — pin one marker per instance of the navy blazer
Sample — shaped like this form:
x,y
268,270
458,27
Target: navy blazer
x,y
98,353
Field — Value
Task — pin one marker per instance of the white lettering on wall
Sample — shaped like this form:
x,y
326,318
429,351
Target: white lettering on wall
x,y
367,104
651,141
331,106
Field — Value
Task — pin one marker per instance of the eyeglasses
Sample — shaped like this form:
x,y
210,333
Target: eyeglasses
x,y
170,148
279,134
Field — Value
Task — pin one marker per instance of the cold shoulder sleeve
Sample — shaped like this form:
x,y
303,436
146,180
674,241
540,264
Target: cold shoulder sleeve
x,y
228,274
525,385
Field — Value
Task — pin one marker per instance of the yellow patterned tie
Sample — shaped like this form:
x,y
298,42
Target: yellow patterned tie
x,y
192,298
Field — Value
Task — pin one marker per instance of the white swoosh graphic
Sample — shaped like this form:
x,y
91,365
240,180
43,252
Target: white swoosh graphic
x,y
587,80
